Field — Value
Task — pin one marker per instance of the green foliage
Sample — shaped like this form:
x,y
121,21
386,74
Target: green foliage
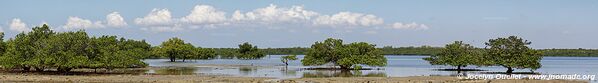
x,y
204,53
27,49
248,51
226,53
457,54
386,50
2,44
109,52
512,52
43,49
285,51
422,50
176,48
344,55
286,59
65,51
580,52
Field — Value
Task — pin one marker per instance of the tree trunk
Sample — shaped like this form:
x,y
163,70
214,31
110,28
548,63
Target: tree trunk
x,y
459,69
26,68
64,70
344,67
286,65
509,70
172,59
39,69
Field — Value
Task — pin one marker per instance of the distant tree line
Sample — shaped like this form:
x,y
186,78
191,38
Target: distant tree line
x,y
422,50
387,50
245,51
571,52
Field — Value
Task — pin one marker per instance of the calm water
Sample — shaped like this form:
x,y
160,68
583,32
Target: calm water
x,y
398,66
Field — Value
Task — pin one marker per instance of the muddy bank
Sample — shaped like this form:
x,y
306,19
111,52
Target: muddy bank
x,y
415,79
229,79
128,79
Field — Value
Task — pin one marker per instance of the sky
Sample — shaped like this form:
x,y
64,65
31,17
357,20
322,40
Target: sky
x,y
300,23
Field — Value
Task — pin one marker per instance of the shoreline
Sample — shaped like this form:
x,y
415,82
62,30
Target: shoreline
x,y
227,79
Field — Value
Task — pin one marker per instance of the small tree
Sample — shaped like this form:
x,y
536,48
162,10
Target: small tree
x,y
248,51
345,56
175,48
512,52
285,59
456,54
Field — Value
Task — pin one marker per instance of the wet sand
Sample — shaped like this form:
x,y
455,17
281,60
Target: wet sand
x,y
416,79
129,79
231,79
137,75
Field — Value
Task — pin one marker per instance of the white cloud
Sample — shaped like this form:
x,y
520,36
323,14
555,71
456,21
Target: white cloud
x,y
1,29
115,20
204,14
273,14
18,25
159,20
348,19
158,17
80,23
172,28
237,16
412,25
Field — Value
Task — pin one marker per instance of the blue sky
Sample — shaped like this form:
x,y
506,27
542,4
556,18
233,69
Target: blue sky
x,y
277,23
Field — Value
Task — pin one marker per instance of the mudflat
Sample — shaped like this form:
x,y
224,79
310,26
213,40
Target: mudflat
x,y
232,79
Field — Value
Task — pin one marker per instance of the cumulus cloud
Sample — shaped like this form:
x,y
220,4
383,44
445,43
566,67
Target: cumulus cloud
x,y
115,20
158,20
274,14
412,25
207,16
18,25
204,14
80,23
156,17
164,28
348,19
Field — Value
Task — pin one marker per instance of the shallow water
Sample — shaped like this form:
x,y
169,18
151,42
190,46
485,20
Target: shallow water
x,y
398,66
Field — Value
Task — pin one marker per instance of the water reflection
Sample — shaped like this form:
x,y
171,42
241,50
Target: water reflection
x,y
342,73
287,72
398,66
248,70
175,71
